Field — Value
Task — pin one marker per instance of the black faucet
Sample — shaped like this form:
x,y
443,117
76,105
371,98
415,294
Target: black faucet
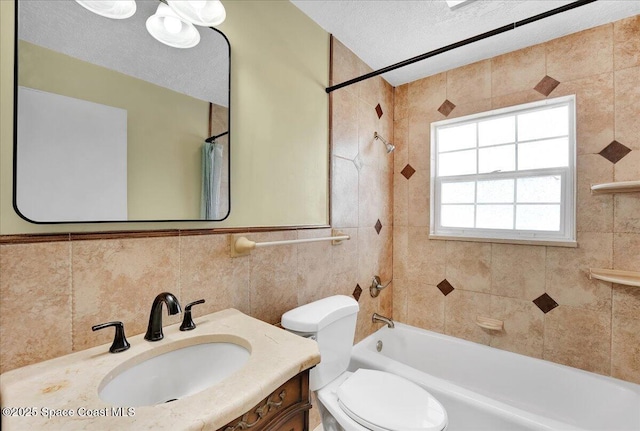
x,y
154,330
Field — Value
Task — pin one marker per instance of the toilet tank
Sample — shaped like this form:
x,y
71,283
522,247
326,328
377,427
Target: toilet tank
x,y
332,322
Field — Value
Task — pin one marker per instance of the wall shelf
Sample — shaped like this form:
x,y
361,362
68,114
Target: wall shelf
x,y
629,278
618,187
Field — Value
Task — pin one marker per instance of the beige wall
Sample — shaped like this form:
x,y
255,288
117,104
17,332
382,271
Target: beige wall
x,y
280,64
596,326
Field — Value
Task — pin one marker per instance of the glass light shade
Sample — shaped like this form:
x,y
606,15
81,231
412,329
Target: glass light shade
x,y
115,9
166,27
207,13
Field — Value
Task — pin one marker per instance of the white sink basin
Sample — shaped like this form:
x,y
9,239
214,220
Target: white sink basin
x,y
172,375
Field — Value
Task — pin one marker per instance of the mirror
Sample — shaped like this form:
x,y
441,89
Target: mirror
x,y
111,124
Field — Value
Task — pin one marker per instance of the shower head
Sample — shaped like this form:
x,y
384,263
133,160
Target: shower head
x,y
390,147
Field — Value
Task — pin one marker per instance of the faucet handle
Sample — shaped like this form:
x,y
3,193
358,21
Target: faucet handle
x,y
187,322
120,343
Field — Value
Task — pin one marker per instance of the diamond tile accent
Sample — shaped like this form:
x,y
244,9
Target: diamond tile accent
x,y
408,171
378,226
546,85
357,292
379,111
358,162
446,108
545,303
445,287
614,152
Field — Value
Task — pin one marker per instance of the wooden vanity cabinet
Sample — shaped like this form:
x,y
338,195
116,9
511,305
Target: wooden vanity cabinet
x,y
285,409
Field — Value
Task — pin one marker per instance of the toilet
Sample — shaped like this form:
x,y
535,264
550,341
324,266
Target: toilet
x,y
364,399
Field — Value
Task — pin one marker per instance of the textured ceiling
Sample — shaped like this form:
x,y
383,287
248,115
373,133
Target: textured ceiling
x,y
382,33
126,46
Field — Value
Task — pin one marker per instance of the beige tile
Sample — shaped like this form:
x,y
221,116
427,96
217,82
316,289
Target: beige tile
x,y
512,99
628,168
385,302
567,270
586,53
426,259
517,71
274,277
626,42
627,213
207,271
344,65
420,141
594,211
426,95
369,90
401,102
315,270
469,83
425,306
344,124
369,197
462,307
344,193
400,200
418,199
626,252
400,299
315,418
579,338
369,249
626,302
400,252
118,280
469,265
401,137
344,264
364,324
523,326
35,310
594,110
625,349
518,271
627,106
385,254
368,147
386,197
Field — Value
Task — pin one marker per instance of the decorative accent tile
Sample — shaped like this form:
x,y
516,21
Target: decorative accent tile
x,y
545,303
546,85
446,108
614,152
408,171
378,226
357,292
445,287
357,161
379,110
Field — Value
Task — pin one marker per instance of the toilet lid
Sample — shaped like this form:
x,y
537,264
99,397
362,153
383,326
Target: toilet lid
x,y
386,402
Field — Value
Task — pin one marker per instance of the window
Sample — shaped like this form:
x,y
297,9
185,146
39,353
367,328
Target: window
x,y
507,174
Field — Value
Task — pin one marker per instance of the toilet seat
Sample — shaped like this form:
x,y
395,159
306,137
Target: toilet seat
x,y
382,401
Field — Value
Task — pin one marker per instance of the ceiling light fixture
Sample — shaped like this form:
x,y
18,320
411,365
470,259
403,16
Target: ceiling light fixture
x,y
114,9
168,28
172,24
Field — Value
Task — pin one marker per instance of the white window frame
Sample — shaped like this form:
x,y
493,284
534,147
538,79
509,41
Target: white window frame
x,y
566,236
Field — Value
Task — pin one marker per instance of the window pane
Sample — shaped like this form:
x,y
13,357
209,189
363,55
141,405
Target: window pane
x,y
456,216
495,192
498,159
543,154
458,193
498,131
457,137
538,217
457,163
545,123
495,217
540,189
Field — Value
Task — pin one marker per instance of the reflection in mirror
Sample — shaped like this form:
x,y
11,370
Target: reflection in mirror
x,y
112,124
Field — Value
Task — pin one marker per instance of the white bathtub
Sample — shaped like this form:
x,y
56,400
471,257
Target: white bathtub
x,y
484,388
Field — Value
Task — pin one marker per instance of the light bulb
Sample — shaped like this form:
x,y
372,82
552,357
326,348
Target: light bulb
x,y
172,24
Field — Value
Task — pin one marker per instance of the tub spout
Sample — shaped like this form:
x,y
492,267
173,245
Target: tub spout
x,y
378,318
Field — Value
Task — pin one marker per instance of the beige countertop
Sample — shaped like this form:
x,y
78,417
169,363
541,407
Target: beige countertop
x,y
70,383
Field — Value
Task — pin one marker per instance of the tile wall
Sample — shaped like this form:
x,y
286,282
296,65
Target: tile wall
x,y
550,307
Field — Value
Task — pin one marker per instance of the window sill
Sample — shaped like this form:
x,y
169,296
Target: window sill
x,y
547,243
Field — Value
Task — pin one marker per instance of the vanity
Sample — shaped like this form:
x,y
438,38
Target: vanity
x,y
270,391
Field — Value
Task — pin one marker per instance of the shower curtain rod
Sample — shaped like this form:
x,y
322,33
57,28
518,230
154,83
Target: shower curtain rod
x,y
214,137
464,42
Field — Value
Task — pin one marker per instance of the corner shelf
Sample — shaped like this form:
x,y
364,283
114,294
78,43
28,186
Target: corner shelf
x,y
629,278
618,187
